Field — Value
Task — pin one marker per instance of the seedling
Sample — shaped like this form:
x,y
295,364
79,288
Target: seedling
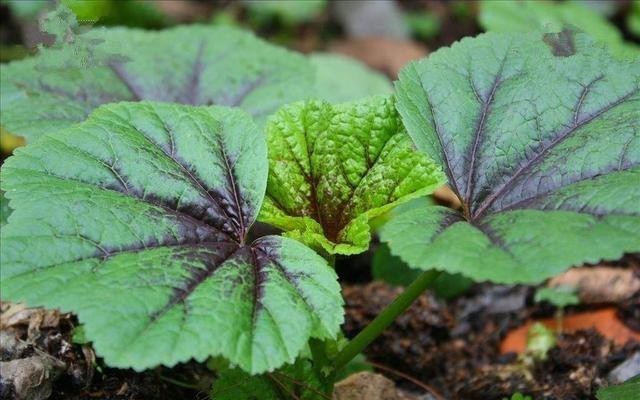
x,y
540,340
560,297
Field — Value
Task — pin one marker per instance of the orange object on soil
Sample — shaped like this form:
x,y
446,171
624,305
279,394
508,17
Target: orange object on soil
x,y
603,320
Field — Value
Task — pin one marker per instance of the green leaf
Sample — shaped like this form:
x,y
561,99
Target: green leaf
x,y
79,335
633,18
540,139
560,296
4,209
24,9
290,12
340,79
357,364
295,381
424,24
196,65
552,16
333,168
391,269
626,391
137,219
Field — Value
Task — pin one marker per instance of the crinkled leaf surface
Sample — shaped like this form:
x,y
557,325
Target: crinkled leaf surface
x,y
195,65
533,15
295,381
136,221
340,78
540,139
333,168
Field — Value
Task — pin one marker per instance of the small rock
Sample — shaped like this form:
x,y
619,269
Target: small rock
x,y
365,386
626,370
371,18
29,378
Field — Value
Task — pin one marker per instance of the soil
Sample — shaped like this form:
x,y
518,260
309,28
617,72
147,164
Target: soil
x,y
455,348
85,377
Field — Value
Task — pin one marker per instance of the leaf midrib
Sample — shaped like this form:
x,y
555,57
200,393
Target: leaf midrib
x,y
542,153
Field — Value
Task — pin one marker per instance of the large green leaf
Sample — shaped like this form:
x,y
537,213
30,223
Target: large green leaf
x,y
4,209
333,168
196,65
136,220
340,78
540,139
552,16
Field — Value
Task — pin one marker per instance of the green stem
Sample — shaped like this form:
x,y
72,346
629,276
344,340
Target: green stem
x,y
384,319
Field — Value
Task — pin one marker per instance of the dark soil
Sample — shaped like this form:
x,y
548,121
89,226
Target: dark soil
x,y
455,348
87,378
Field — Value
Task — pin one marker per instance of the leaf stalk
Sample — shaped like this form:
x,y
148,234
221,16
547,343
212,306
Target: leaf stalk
x,y
384,319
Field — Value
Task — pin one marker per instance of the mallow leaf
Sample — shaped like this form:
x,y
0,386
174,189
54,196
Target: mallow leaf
x,y
136,220
534,15
539,136
196,65
334,167
340,78
4,209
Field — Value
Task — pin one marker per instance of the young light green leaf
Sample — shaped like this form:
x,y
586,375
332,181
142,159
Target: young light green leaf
x,y
552,16
136,220
340,79
333,168
540,139
540,340
195,65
